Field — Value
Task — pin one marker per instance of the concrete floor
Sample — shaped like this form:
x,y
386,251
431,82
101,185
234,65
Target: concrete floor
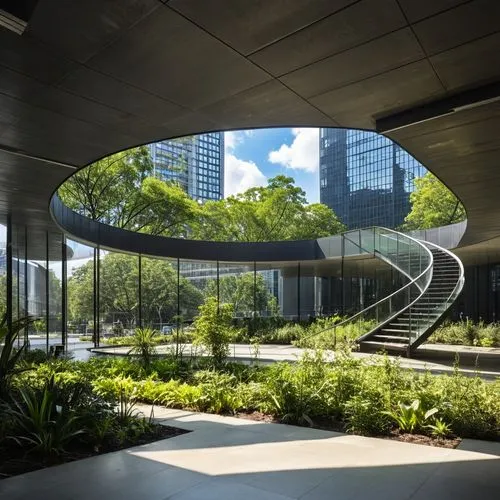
x,y
229,458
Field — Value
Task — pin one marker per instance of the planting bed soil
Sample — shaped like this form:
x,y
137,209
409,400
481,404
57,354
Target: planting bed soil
x,y
16,460
334,426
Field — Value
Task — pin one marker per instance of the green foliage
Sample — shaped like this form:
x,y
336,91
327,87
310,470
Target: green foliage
x,y
364,414
296,392
412,417
212,329
40,423
119,292
432,205
34,356
467,333
362,396
325,334
278,211
218,392
9,356
128,340
243,293
439,428
122,191
144,345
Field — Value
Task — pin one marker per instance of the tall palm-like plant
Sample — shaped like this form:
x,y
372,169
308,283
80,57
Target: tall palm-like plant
x,y
9,355
144,343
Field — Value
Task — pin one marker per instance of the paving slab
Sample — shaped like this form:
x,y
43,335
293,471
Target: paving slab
x,y
229,458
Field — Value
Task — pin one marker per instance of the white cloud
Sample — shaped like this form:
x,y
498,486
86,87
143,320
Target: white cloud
x,y
240,175
231,140
302,154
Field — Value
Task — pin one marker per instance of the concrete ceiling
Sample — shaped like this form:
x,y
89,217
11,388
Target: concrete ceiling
x,y
89,78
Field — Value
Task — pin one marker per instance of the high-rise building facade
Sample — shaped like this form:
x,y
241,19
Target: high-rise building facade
x,y
195,162
366,178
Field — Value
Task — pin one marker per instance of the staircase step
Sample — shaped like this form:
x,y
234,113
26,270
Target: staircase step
x,y
417,314
372,346
390,338
393,330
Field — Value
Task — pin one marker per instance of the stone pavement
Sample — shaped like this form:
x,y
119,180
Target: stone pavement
x,y
230,458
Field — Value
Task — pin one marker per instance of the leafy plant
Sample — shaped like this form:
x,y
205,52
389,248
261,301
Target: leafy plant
x,y
364,415
144,345
212,329
122,392
38,421
9,355
412,417
439,428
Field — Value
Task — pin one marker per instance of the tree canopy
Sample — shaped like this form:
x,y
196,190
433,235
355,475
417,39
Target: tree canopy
x,y
119,290
238,290
433,205
122,190
278,211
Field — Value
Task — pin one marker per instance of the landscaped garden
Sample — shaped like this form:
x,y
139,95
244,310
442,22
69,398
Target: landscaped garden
x,y
54,410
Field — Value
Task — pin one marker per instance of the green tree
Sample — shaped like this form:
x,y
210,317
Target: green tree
x,y
238,291
433,205
278,211
122,191
119,287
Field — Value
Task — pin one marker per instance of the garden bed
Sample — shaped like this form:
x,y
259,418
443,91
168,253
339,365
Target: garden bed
x,y
15,460
333,426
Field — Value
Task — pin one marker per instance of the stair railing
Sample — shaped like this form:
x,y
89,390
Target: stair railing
x,y
438,311
402,252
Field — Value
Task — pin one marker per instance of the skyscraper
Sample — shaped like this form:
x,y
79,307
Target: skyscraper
x,y
195,162
365,178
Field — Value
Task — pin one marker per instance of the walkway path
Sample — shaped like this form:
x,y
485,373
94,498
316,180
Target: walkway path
x,y
271,353
229,458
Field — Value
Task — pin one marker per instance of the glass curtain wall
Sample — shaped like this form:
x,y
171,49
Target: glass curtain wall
x,y
159,294
239,287
55,287
197,282
118,294
80,296
3,268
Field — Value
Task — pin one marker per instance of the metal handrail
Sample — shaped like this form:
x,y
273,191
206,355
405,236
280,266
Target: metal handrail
x,y
388,297
461,277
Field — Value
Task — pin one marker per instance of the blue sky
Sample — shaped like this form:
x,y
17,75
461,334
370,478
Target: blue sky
x,y
253,156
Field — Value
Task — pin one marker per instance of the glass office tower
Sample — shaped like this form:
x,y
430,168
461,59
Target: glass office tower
x,y
366,178
195,162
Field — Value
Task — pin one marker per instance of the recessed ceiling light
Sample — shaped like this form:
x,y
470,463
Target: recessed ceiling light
x,y
12,22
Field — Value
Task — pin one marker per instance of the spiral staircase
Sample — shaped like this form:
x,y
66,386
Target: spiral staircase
x,y
403,320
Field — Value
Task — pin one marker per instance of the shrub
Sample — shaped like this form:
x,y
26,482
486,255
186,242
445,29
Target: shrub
x,y
43,425
467,333
212,329
9,356
144,345
366,396
365,415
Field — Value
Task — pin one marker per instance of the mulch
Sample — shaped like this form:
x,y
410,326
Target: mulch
x,y
337,426
15,460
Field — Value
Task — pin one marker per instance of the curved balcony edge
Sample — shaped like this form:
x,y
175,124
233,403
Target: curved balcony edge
x,y
95,233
